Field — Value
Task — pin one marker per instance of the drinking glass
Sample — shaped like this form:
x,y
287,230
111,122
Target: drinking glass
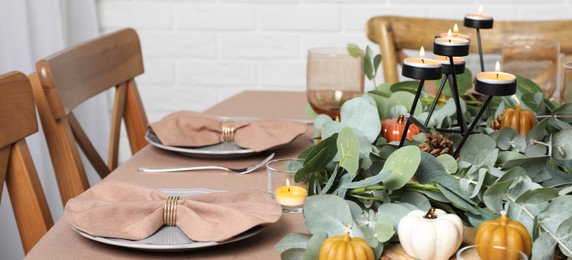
x,y
536,59
332,77
566,83
282,186
477,252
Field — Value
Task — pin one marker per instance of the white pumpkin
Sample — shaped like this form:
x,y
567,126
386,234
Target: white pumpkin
x,y
433,235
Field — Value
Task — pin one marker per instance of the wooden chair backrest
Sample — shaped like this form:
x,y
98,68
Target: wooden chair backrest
x,y
395,34
18,120
68,78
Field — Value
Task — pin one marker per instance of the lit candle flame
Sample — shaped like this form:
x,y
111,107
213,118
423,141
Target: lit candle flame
x,y
422,54
497,68
480,11
449,34
287,182
456,29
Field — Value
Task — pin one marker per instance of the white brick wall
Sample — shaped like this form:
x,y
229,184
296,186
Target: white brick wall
x,y
199,52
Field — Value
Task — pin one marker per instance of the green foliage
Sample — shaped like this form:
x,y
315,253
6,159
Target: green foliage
x,y
357,179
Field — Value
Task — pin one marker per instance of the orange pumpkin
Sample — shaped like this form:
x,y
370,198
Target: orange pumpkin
x,y
502,232
392,129
345,247
521,120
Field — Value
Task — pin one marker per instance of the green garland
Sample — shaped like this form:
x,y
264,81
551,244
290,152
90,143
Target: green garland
x,y
358,179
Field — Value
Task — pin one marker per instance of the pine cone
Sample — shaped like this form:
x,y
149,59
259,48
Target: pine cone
x,y
496,123
437,144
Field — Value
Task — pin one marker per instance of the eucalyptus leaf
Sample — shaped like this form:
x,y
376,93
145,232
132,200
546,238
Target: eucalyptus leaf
x,y
528,205
458,199
292,240
555,214
407,86
404,99
564,237
479,150
543,247
384,230
392,211
562,145
403,164
360,114
292,254
320,120
532,165
415,198
314,244
449,163
376,62
349,149
354,50
368,64
494,196
330,214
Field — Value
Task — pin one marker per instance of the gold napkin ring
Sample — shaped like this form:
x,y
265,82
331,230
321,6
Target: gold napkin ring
x,y
228,131
170,211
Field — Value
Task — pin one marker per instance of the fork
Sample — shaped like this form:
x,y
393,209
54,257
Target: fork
x,y
246,170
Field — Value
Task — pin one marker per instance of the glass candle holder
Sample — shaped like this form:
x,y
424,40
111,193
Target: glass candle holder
x,y
332,77
478,252
536,59
566,82
290,194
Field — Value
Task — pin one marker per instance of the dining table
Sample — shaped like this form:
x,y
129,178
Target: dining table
x,y
63,242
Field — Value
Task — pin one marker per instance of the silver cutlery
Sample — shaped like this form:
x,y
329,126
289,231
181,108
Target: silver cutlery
x,y
246,170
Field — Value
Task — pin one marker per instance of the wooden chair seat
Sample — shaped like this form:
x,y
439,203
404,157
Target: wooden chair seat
x,y
395,34
69,78
18,114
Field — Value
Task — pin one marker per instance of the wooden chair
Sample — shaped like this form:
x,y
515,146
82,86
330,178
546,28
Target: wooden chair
x,y
68,78
395,34
18,121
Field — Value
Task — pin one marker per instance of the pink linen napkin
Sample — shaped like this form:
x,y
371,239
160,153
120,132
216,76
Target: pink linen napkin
x,y
192,129
122,210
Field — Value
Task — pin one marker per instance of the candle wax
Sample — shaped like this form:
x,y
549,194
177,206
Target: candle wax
x,y
451,41
495,77
478,17
291,195
421,62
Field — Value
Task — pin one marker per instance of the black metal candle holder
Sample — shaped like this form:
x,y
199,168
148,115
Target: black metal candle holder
x,y
447,47
479,22
448,71
421,73
491,89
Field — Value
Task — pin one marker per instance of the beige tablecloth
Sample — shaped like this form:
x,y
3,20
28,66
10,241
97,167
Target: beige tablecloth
x,y
61,242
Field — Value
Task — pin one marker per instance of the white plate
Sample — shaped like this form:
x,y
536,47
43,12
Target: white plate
x,y
217,151
170,238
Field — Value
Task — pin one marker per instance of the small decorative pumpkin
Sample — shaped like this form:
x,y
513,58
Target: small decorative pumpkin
x,y
392,129
502,232
431,235
346,247
521,120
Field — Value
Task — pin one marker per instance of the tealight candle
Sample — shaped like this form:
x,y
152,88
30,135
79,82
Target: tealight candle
x,y
290,195
455,34
495,83
450,46
421,68
479,20
458,62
